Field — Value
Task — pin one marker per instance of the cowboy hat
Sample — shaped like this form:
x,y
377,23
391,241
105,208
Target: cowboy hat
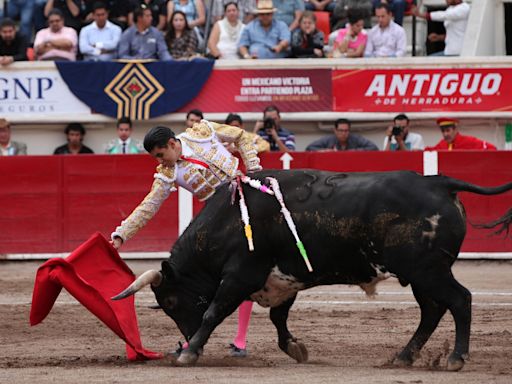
x,y
265,6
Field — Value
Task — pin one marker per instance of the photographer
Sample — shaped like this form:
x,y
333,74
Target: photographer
x,y
279,138
398,137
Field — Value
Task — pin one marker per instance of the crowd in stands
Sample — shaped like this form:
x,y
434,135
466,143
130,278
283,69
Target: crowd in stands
x,y
217,29
268,135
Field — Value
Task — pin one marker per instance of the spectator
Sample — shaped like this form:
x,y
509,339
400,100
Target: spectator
x,y
193,116
307,41
235,120
98,41
75,133
124,143
264,38
340,13
270,129
143,41
71,12
195,12
180,39
320,5
398,137
387,39
351,41
397,8
453,140
118,11
56,42
455,20
24,9
289,11
342,140
158,12
245,7
13,45
225,34
7,146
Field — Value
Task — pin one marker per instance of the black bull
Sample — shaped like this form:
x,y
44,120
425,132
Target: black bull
x,y
357,229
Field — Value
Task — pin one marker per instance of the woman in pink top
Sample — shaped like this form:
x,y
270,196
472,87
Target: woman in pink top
x,y
351,41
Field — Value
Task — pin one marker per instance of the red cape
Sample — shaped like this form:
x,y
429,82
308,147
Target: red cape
x,y
93,273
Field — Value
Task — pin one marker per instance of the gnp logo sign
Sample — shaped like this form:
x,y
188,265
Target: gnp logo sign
x,y
36,92
423,90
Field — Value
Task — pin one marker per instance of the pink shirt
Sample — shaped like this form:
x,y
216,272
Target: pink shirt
x,y
46,34
360,39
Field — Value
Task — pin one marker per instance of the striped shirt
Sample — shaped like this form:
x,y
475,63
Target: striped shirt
x,y
285,136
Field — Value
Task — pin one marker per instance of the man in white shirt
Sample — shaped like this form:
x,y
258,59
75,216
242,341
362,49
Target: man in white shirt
x,y
455,20
387,39
398,137
99,40
124,144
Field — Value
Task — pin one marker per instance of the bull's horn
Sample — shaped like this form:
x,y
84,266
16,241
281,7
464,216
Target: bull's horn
x,y
152,277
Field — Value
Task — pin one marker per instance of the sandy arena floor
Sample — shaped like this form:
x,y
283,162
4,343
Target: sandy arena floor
x,y
350,337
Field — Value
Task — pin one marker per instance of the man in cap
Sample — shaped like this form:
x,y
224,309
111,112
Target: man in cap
x,y
453,140
264,37
8,147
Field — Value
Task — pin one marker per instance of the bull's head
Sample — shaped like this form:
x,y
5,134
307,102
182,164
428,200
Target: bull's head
x,y
176,296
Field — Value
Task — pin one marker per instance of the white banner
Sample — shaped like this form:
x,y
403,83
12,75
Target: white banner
x,y
37,91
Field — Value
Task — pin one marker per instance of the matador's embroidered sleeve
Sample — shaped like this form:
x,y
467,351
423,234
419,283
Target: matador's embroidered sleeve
x,y
162,186
243,141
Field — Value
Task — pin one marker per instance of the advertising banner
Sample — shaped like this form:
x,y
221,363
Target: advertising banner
x,y
37,92
422,90
291,90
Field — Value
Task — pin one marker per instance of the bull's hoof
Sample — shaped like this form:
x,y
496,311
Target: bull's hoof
x,y
297,351
187,358
455,364
402,360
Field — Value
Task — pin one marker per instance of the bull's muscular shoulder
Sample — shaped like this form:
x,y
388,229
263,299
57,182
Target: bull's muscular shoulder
x,y
199,132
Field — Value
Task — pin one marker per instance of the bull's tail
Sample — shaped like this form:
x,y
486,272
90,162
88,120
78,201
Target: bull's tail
x,y
456,185
504,221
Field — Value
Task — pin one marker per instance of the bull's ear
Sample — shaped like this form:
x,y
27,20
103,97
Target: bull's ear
x,y
167,271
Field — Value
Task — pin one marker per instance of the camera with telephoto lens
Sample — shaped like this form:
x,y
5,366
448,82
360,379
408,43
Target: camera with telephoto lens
x,y
397,130
269,124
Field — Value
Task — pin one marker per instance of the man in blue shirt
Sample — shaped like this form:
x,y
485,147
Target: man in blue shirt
x,y
141,40
99,40
342,140
264,38
279,138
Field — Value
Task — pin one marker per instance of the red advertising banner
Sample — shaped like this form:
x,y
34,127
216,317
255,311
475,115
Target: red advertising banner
x,y
291,90
422,90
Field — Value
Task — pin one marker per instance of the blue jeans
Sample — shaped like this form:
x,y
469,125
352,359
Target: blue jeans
x,y
39,18
397,7
24,9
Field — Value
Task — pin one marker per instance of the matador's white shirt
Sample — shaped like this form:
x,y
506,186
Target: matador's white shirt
x,y
215,166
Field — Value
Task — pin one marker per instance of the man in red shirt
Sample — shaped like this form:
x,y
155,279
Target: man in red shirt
x,y
453,140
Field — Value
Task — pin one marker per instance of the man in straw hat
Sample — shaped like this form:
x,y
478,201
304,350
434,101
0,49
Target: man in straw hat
x,y
264,37
8,147
453,140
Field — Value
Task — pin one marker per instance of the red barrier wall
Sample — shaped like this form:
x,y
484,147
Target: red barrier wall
x,y
54,203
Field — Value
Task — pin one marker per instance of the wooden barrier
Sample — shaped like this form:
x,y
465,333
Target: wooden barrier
x,y
51,204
